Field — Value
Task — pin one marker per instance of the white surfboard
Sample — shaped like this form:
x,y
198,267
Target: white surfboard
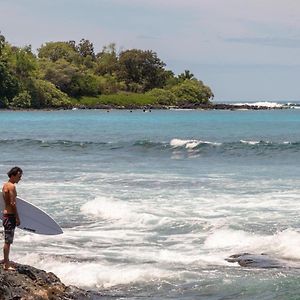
x,y
32,218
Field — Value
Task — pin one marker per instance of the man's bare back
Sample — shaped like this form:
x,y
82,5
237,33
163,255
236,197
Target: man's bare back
x,y
9,195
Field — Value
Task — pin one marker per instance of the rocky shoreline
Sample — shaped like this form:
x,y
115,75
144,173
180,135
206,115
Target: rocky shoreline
x,y
208,106
29,283
192,106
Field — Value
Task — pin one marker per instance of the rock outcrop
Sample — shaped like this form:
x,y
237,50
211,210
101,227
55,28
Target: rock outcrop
x,y
263,260
29,283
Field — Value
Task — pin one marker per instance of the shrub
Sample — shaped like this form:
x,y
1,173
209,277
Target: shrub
x,y
163,97
44,94
22,100
193,91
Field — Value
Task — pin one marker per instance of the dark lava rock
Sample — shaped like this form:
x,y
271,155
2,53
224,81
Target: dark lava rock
x,y
261,261
29,283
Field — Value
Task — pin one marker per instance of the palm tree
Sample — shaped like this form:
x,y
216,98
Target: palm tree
x,y
186,75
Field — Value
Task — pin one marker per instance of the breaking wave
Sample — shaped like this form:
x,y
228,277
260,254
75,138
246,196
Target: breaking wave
x,y
175,144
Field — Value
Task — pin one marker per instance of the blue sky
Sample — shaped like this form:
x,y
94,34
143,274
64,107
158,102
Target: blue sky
x,y
245,50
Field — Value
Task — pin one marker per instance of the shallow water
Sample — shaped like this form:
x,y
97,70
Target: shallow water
x,y
151,203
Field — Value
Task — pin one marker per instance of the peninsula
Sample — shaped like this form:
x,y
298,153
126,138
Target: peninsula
x,y
67,74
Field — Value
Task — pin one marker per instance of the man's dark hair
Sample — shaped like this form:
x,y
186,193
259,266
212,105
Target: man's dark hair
x,y
14,171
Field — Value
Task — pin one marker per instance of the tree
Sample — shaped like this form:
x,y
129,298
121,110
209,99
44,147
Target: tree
x,y
45,94
70,79
22,100
2,43
58,50
85,48
110,85
84,84
61,74
66,69
162,96
143,68
107,60
9,85
192,91
26,63
185,75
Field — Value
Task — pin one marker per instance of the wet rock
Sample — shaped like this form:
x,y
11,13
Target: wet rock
x,y
260,261
29,283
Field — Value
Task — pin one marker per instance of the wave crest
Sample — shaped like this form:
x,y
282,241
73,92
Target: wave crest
x,y
242,146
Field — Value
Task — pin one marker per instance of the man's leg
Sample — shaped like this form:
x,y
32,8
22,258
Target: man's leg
x,y
6,249
9,232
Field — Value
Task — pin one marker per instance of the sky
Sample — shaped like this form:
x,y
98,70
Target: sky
x,y
245,50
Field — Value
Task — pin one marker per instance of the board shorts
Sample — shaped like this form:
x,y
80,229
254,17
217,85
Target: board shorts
x,y
9,224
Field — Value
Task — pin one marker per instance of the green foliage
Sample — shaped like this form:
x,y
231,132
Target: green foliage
x,y
142,68
81,54
9,85
22,100
25,63
70,79
162,96
86,49
44,94
84,84
66,69
61,73
58,50
120,100
110,85
107,61
2,43
4,102
185,75
192,91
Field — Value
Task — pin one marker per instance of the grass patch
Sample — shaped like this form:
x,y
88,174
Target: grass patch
x,y
126,100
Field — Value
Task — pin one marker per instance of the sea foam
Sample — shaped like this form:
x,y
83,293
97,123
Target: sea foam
x,y
109,208
283,244
94,275
262,104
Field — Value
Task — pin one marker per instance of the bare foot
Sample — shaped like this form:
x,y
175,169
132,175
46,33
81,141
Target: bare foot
x,y
8,268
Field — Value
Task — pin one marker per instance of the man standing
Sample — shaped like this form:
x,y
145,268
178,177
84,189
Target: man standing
x,y
10,212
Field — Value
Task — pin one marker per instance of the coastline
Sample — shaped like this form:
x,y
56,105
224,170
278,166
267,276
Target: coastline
x,y
192,106
188,106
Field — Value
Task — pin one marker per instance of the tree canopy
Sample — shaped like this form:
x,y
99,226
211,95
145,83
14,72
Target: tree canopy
x,y
64,70
143,68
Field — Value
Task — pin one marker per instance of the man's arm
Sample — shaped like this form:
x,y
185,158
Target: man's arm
x,y
12,198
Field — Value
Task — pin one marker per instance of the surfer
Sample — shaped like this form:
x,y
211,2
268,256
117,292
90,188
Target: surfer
x,y
10,213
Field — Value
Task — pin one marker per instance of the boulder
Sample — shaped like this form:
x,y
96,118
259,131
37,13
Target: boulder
x,y
30,283
261,261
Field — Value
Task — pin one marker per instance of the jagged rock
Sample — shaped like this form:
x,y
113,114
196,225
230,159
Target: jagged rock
x,y
29,283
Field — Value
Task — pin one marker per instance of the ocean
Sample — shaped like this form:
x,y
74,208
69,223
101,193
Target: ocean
x,y
153,202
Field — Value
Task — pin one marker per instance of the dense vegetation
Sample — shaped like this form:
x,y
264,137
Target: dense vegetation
x,y
66,74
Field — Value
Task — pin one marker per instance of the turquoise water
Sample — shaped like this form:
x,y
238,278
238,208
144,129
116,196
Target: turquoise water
x,y
151,203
